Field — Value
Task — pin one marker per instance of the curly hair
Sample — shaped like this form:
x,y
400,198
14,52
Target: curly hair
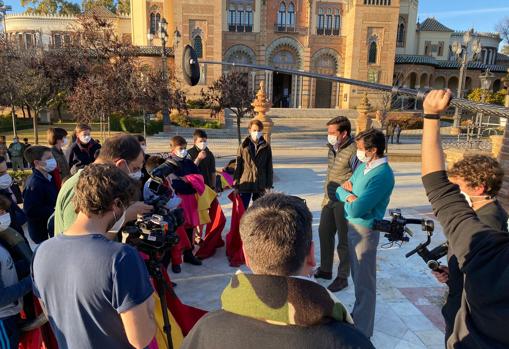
x,y
99,186
477,170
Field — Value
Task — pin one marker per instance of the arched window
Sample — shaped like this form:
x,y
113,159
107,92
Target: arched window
x,y
373,52
158,22
198,46
249,19
401,34
240,16
291,16
153,23
281,17
337,22
320,24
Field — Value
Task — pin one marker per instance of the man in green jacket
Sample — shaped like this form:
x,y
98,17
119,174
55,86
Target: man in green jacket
x,y
16,150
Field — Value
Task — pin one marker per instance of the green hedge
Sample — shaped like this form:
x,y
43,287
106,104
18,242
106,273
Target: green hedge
x,y
21,124
134,124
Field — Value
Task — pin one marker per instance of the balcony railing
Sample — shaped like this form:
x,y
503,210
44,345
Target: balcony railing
x,y
328,31
285,28
240,28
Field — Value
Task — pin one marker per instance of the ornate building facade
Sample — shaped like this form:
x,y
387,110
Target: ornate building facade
x,y
371,40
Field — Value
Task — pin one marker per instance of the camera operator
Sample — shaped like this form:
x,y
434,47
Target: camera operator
x,y
107,301
123,151
482,252
479,178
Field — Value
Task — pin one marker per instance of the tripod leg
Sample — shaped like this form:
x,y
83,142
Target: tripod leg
x,y
161,286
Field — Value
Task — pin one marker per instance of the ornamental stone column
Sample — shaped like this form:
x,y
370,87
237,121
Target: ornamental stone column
x,y
261,107
363,121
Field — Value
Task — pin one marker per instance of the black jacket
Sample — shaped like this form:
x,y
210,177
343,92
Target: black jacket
x,y
207,166
253,171
225,330
492,215
40,197
82,155
483,256
187,167
18,217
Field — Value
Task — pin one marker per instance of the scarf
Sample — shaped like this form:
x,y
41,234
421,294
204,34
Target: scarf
x,y
282,300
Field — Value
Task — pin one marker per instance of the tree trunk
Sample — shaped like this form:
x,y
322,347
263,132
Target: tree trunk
x,y
238,128
23,111
29,112
36,125
59,112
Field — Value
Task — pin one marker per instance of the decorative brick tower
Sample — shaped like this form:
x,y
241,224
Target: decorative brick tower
x,y
261,107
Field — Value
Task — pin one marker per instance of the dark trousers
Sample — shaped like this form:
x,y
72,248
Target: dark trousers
x,y
391,137
246,198
190,236
9,332
332,222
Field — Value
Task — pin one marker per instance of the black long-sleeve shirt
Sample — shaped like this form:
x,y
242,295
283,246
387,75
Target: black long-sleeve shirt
x,y
483,258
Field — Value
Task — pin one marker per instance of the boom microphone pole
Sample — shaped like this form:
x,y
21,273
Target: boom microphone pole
x,y
191,71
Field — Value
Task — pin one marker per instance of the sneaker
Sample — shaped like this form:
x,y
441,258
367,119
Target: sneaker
x,y
191,259
338,284
323,275
176,268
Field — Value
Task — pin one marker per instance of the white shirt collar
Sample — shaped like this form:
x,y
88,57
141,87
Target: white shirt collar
x,y
374,164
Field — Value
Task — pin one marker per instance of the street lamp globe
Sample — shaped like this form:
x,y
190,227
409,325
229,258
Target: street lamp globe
x,y
476,48
456,48
150,37
176,38
467,37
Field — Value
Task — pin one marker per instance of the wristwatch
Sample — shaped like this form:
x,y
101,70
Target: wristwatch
x,y
432,116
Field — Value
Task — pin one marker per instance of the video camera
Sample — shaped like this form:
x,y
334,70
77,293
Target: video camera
x,y
155,233
396,229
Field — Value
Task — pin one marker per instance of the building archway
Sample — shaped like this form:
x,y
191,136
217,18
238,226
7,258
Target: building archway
x,y
452,84
439,82
424,80
468,84
285,53
241,54
497,85
325,61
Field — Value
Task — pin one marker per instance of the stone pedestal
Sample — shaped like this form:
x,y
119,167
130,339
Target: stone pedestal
x,y
363,121
261,107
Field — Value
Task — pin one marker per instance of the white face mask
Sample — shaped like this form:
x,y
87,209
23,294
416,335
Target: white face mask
x,y
468,198
5,181
255,135
361,155
333,140
144,148
85,139
5,221
119,223
65,140
136,175
182,153
51,164
201,145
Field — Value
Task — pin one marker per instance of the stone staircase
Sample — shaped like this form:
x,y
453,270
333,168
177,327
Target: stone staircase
x,y
288,123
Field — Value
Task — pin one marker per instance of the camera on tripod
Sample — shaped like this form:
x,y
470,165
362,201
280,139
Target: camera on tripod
x,y
155,233
396,231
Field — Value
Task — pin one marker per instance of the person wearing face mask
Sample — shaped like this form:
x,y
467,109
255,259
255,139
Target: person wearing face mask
x,y
203,158
342,161
18,217
143,145
40,193
254,172
84,151
182,187
57,138
479,178
16,150
116,310
123,151
366,197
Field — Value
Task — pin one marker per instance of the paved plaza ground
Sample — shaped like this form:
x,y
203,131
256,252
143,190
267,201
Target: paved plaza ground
x,y
408,297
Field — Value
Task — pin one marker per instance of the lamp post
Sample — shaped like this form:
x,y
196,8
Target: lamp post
x,y
163,34
465,52
176,38
486,81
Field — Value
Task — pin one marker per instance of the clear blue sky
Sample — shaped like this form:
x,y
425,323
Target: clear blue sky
x,y
483,15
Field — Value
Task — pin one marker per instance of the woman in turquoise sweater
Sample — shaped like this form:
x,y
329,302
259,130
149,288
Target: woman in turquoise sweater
x,y
366,196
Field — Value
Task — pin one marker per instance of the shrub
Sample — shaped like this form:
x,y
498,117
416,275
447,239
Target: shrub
x,y
196,104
